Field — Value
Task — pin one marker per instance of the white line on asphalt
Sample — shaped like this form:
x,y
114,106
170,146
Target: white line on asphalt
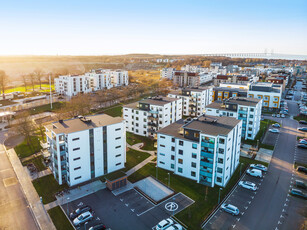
x,y
287,199
283,210
246,208
242,213
252,197
249,202
145,211
285,205
279,222
281,216
233,226
238,219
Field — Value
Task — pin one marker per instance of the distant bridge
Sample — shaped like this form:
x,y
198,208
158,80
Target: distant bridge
x,y
258,55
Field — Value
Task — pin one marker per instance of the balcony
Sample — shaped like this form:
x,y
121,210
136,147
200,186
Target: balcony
x,y
205,173
207,154
207,144
152,124
206,164
150,130
242,112
151,117
153,111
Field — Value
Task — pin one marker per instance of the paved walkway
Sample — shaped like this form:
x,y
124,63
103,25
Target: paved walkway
x,y
140,165
77,193
31,157
38,210
40,174
137,147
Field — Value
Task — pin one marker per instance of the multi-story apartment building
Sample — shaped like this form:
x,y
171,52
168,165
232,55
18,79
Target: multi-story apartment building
x,y
167,73
195,69
236,79
92,81
206,149
84,148
147,116
221,93
186,79
194,100
269,92
246,109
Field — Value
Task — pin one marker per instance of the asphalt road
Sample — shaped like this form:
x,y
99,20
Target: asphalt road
x,y
15,213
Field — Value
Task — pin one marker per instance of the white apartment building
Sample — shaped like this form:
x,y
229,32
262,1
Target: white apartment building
x,y
147,116
194,69
167,73
269,92
194,100
206,149
84,148
246,109
94,80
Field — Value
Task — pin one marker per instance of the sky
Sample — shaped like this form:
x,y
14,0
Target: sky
x,y
99,27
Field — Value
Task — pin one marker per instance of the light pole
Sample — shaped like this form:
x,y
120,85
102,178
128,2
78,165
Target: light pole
x,y
219,195
169,179
85,225
67,205
240,168
157,172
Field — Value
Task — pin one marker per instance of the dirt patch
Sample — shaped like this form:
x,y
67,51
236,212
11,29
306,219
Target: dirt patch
x,y
13,141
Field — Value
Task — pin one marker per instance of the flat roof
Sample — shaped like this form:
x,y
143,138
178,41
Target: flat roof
x,y
78,124
174,130
158,100
229,89
236,100
133,105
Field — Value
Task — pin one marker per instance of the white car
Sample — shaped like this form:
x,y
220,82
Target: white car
x,y
278,115
82,218
233,210
273,115
254,172
259,166
283,115
276,125
248,185
164,224
274,130
175,227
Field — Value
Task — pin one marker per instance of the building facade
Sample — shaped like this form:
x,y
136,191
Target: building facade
x,y
84,148
72,85
246,109
147,116
167,73
186,79
194,100
206,149
221,93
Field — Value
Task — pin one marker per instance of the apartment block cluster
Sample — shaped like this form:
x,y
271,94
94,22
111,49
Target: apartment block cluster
x,y
94,80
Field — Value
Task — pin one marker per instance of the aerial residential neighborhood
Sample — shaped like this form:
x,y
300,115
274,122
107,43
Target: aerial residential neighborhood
x,y
156,115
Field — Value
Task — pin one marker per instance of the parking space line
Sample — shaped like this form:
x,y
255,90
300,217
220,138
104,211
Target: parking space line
x,y
187,197
145,197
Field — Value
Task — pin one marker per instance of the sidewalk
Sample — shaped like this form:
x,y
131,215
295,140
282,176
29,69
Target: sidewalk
x,y
42,218
137,147
140,165
77,193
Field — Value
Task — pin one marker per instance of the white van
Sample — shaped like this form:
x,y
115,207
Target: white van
x,y
254,172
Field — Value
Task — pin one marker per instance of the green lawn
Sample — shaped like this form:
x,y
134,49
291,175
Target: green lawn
x,y
205,198
24,150
300,117
115,111
38,162
47,187
45,87
134,157
59,219
135,139
46,108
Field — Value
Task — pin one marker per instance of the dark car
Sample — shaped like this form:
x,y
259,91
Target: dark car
x,y
298,193
304,129
301,169
303,146
98,227
303,122
300,184
80,210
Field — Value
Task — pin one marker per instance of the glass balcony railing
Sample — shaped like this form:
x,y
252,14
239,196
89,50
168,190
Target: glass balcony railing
x,y
153,111
206,164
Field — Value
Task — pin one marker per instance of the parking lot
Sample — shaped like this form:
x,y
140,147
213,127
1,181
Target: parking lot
x,y
129,210
242,199
271,138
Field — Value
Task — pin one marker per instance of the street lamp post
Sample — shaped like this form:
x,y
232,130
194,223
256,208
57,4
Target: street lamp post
x,y
157,172
169,179
67,205
240,168
85,225
219,195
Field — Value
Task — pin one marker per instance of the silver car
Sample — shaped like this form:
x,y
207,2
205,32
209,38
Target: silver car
x,y
233,210
248,185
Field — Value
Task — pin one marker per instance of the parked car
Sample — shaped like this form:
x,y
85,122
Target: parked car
x,y
300,184
175,227
259,166
302,141
282,115
276,125
82,218
304,129
164,224
273,115
277,115
254,172
80,210
302,169
98,227
303,122
233,210
274,130
248,185
298,193
303,146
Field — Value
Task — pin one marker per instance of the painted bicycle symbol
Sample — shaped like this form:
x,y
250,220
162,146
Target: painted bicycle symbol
x,y
171,206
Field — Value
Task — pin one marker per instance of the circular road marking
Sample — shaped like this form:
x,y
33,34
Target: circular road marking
x,y
171,206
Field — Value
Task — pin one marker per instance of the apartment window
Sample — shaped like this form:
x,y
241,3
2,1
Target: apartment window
x,y
78,158
173,148
250,123
194,146
136,112
220,160
117,138
163,137
77,168
144,132
193,165
117,147
251,116
219,170
173,139
180,152
180,170
75,149
180,161
194,155
172,157
181,143
137,118
193,174
144,119
221,151
161,162
252,109
75,139
222,141
137,124
172,166
118,155
118,164
162,146
162,154
219,179
117,129
76,178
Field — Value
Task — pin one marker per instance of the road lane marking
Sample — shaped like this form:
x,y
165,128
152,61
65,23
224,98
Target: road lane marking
x,y
238,219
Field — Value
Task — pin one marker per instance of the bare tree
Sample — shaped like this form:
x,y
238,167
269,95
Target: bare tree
x,y
38,73
32,79
3,81
25,79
